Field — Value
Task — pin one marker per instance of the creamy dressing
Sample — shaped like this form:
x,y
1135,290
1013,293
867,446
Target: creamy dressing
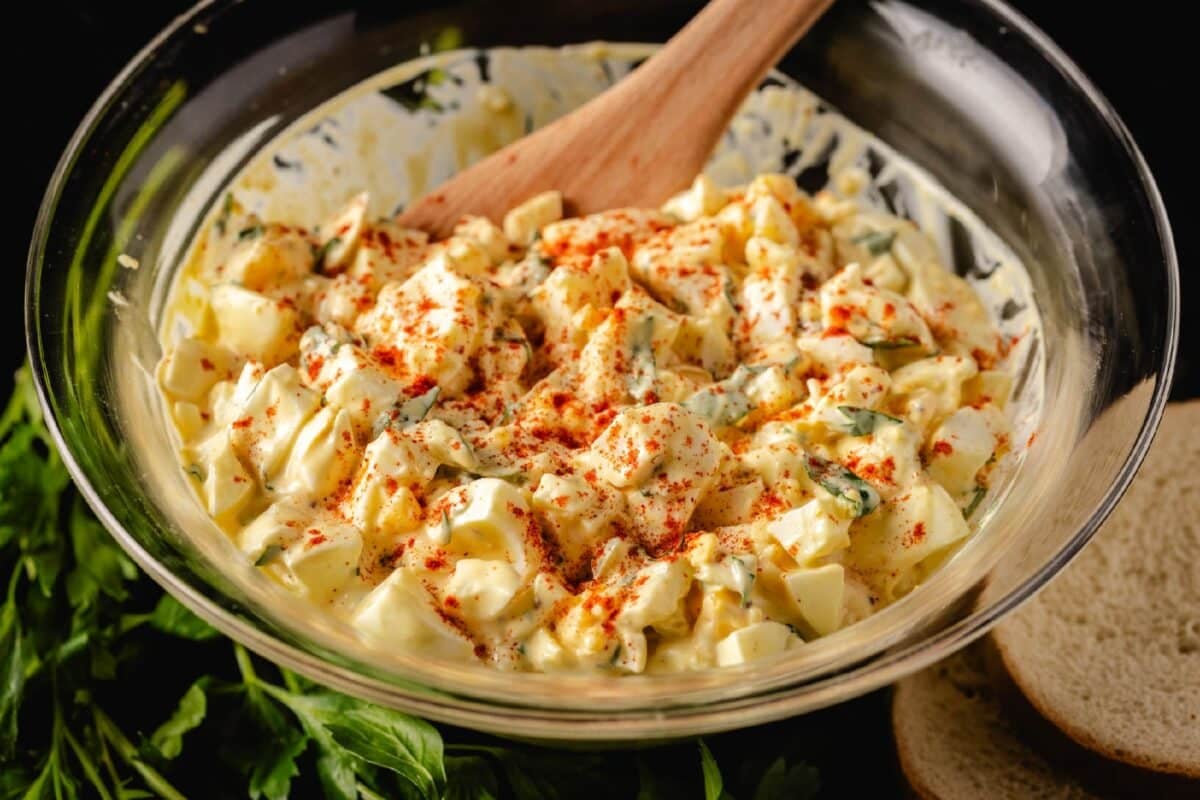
x,y
645,440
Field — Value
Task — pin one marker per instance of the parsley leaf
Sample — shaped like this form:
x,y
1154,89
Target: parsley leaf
x,y
271,765
470,778
84,639
167,740
714,785
406,745
780,782
102,566
171,616
13,657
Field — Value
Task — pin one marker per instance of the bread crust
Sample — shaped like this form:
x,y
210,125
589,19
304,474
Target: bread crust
x,y
955,740
1170,478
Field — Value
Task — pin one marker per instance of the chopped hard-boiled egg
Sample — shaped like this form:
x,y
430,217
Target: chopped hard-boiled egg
x,y
636,441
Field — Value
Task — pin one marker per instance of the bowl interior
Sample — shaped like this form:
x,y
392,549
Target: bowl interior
x,y
964,91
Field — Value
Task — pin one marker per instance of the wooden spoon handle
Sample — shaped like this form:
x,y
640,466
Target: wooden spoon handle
x,y
727,48
646,137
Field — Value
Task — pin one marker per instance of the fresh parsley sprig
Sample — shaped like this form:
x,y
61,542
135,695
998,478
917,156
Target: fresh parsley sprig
x,y
111,689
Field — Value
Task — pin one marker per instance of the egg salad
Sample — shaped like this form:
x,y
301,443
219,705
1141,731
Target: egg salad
x,y
644,440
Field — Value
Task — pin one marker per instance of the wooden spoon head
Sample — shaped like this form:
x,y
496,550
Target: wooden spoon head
x,y
643,139
596,162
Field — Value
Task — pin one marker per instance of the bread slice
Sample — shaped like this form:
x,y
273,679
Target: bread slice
x,y
1110,651
954,740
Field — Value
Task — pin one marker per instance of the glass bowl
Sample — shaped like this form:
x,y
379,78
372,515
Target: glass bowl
x,y
969,91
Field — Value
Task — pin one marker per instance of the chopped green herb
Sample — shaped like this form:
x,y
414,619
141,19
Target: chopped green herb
x,y
728,287
616,656
876,242
644,374
412,411
842,484
252,232
195,470
226,209
980,491
517,478
725,403
269,554
898,343
864,421
323,251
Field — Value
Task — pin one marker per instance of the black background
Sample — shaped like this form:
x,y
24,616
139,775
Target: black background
x,y
64,52
1141,56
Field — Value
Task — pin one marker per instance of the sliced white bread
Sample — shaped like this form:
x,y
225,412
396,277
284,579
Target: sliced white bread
x,y
1109,652
955,742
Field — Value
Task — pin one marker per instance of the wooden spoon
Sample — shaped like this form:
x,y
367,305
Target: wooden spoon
x,y
645,138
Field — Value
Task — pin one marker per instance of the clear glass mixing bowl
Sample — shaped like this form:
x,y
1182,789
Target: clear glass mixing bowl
x,y
966,89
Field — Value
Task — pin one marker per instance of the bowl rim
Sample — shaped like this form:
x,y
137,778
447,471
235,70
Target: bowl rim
x,y
645,723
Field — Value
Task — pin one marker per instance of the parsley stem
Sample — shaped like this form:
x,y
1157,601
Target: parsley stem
x,y
279,694
245,666
89,766
129,754
291,681
105,757
11,597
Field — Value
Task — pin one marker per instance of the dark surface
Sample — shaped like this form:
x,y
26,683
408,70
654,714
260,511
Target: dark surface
x,y
1137,60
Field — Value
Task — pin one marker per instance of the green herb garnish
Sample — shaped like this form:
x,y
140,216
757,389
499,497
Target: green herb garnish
x,y
725,402
252,232
226,209
322,252
728,288
111,689
864,421
892,344
842,484
269,554
976,499
410,412
644,373
876,242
